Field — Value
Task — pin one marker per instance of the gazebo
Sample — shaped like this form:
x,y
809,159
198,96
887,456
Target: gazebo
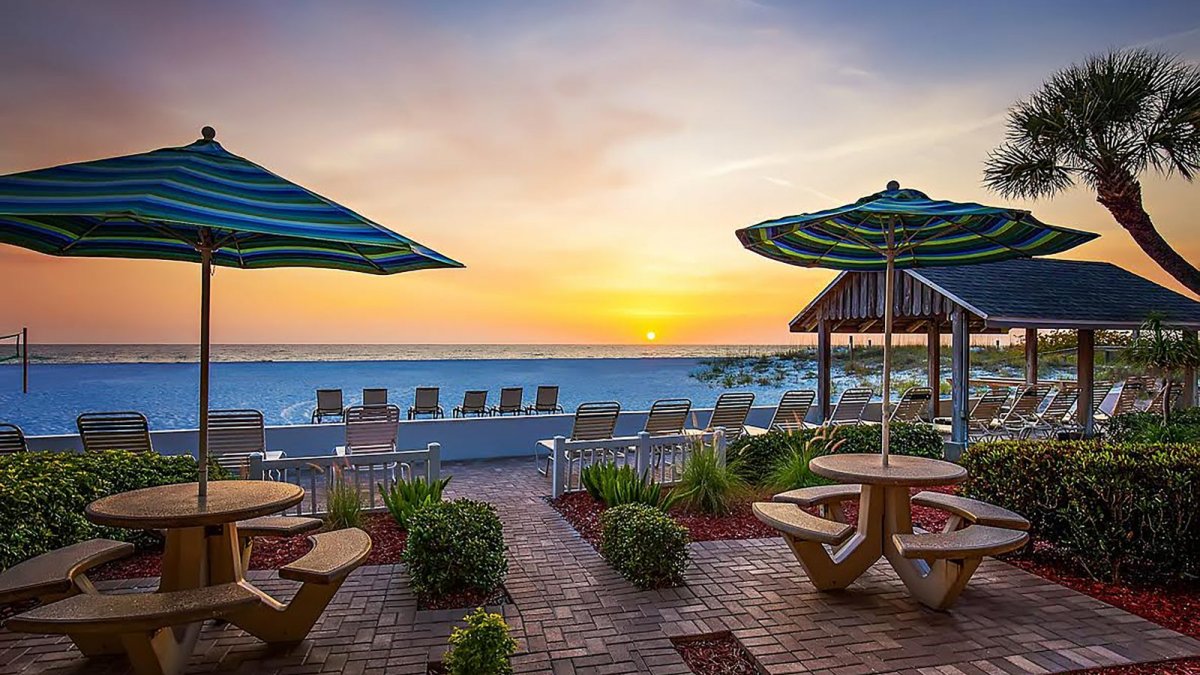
x,y
1029,294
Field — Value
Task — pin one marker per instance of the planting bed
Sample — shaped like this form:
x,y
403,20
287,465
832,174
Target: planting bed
x,y
719,654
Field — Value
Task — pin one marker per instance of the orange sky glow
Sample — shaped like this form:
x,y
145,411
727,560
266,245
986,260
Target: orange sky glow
x,y
587,162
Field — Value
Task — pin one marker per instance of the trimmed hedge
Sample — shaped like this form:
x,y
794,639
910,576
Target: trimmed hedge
x,y
645,545
43,495
757,456
455,547
1147,427
1118,509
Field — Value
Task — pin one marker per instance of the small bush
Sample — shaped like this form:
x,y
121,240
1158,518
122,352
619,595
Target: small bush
x,y
757,456
344,504
1148,427
406,496
43,495
482,648
455,547
708,485
616,486
645,545
1118,509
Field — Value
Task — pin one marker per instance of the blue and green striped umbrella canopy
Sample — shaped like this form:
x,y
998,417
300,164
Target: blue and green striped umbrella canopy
x,y
159,204
927,233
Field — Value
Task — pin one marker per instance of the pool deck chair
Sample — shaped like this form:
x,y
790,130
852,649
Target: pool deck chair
x,y
1054,419
511,401
546,400
235,435
594,421
1132,389
850,406
474,403
1160,399
1022,415
426,403
913,405
790,414
375,396
982,423
729,414
114,431
371,430
1100,392
12,439
329,404
667,416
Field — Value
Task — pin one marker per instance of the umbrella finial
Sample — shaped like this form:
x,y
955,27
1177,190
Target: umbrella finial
x,y
208,133
893,185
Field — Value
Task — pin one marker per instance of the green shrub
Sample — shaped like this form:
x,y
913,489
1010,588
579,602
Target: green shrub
x,y
1118,509
792,471
406,496
482,648
645,545
757,456
616,486
708,485
455,547
1148,427
343,503
43,495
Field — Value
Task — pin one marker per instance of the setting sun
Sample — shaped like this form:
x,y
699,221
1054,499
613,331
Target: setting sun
x,y
650,335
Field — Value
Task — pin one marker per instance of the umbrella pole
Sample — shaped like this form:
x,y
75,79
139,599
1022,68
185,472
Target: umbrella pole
x,y
205,302
888,293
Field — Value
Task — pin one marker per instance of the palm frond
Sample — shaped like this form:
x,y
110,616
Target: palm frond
x,y
1015,171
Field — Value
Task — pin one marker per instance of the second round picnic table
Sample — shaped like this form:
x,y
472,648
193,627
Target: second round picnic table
x,y
884,511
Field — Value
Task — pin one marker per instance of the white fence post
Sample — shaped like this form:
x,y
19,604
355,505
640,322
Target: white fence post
x,y
560,467
719,443
433,467
643,453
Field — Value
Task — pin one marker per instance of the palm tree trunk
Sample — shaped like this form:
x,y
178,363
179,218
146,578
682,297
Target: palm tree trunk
x,y
1123,199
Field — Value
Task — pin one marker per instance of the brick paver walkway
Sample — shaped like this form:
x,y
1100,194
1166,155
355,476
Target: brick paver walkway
x,y
572,614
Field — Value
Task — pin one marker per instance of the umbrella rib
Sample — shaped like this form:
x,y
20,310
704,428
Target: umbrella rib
x,y
360,254
81,237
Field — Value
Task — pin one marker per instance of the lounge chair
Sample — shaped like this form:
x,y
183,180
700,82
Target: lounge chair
x,y
1132,389
546,400
1022,415
1054,418
1160,399
982,424
474,403
593,422
790,414
12,439
913,405
667,416
114,431
729,414
371,430
850,406
511,401
426,403
235,435
329,404
375,396
1100,392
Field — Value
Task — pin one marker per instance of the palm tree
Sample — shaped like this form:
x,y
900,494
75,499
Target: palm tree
x,y
1102,123
1166,351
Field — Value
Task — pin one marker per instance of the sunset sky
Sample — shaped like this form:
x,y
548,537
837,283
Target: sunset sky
x,y
587,161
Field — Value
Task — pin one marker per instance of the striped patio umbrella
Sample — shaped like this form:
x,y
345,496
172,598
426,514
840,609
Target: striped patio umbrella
x,y
197,203
903,228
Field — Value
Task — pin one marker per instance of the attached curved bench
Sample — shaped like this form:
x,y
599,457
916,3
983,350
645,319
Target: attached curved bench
x,y
59,573
970,510
141,623
795,522
322,571
827,498
272,526
936,567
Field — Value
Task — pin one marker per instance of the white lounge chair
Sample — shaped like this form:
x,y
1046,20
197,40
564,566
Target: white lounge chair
x,y
850,406
729,414
372,430
667,416
983,422
235,435
1054,418
593,422
790,414
114,431
12,439
913,405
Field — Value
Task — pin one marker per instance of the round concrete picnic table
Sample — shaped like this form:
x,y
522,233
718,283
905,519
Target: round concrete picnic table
x,y
884,509
202,546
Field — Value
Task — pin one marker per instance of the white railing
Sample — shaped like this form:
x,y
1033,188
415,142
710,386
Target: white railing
x,y
663,458
366,472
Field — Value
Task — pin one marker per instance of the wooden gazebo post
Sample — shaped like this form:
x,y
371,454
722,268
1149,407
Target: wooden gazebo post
x,y
1187,398
824,365
1031,356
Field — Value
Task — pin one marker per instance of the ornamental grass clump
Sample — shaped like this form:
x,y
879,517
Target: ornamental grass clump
x,y
792,472
645,545
615,486
708,484
343,503
455,547
482,648
406,496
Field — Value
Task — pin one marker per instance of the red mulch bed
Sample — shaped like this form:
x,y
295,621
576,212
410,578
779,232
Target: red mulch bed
x,y
583,513
716,655
387,543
